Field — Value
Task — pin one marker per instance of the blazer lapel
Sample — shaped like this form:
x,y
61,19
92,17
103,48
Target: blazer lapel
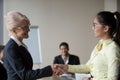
x,y
26,56
61,60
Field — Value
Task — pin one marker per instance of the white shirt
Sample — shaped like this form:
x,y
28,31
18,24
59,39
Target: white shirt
x,y
18,42
65,61
1,61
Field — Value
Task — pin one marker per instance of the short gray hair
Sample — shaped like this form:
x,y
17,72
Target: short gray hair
x,y
14,19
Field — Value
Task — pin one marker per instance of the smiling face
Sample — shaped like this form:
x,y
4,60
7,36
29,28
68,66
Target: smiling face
x,y
17,25
64,50
22,32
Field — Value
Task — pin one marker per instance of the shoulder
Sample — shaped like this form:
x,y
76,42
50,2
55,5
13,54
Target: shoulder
x,y
11,44
73,56
113,50
59,56
113,45
10,47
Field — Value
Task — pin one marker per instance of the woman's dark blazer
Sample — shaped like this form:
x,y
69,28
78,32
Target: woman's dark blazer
x,y
18,63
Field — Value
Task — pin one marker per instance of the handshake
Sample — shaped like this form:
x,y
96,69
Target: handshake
x,y
59,69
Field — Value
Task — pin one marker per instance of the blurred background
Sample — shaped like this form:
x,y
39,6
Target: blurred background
x,y
57,21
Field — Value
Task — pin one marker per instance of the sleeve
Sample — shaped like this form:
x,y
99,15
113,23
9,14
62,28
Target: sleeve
x,y
55,61
78,69
17,65
83,68
77,61
113,58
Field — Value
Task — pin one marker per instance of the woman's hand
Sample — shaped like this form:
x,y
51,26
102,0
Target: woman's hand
x,y
59,69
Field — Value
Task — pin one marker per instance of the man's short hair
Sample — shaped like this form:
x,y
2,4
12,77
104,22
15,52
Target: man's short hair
x,y
64,44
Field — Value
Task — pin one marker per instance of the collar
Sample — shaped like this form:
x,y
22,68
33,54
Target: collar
x,y
106,42
103,43
65,61
1,61
18,42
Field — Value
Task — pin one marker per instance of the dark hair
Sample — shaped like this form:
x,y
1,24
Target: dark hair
x,y
112,20
64,44
1,47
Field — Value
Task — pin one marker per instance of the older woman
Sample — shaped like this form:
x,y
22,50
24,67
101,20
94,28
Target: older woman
x,y
104,62
17,59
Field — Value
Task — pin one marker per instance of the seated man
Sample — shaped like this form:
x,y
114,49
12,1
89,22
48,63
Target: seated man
x,y
65,57
3,73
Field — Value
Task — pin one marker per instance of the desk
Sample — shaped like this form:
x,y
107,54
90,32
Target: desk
x,y
77,77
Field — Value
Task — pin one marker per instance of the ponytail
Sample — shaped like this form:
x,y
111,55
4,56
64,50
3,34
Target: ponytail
x,y
116,36
113,21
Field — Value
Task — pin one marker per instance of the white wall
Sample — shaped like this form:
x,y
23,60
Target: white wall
x,y
110,5
60,20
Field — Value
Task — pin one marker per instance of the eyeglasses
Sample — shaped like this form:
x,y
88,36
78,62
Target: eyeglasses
x,y
95,25
24,28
